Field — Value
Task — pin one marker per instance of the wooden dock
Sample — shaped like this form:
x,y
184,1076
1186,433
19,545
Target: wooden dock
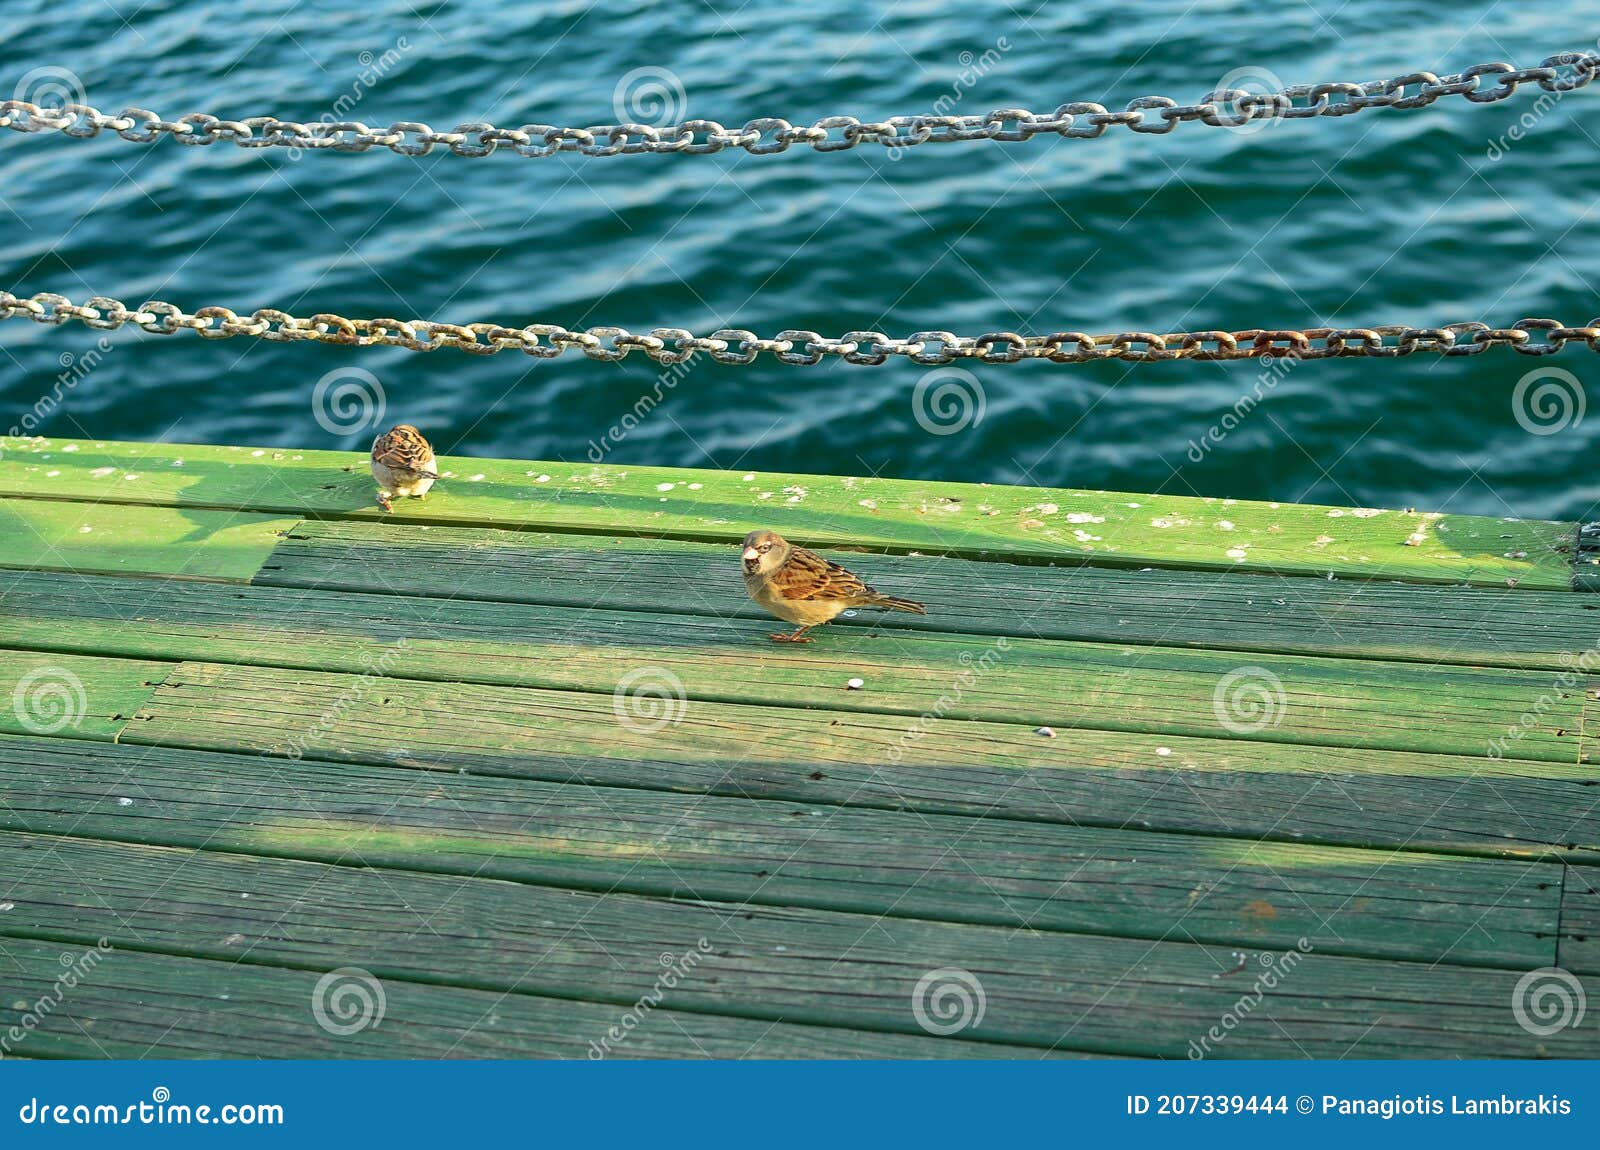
x,y
1155,776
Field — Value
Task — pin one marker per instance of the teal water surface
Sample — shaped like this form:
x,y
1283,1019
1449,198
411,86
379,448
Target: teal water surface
x,y
1419,217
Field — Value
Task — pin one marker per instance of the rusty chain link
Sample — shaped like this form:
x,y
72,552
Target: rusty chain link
x,y
1224,108
669,345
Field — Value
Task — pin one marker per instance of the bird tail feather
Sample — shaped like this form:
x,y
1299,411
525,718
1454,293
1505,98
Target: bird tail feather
x,y
891,603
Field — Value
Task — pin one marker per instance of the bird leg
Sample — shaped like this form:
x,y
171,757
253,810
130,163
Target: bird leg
x,y
384,502
798,637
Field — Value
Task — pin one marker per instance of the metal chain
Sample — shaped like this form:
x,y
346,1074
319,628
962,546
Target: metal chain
x,y
1224,108
671,345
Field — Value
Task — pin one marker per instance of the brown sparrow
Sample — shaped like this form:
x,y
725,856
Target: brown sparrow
x,y
402,463
803,588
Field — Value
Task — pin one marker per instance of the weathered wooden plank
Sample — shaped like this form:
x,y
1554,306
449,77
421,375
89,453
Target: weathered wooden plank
x,y
43,534
777,964
1432,908
1579,947
1334,795
953,518
134,1005
72,697
1028,682
1243,612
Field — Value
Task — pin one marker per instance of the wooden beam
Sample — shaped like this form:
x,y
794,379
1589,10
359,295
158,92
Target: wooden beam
x,y
998,872
972,520
789,965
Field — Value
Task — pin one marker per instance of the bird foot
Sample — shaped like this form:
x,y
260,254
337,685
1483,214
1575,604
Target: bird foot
x,y
796,637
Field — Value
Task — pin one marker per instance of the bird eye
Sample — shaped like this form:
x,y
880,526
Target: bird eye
x,y
766,547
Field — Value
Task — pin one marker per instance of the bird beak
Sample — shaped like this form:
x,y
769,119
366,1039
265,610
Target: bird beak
x,y
751,555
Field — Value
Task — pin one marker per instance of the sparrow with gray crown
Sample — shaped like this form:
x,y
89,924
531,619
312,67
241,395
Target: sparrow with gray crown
x,y
803,588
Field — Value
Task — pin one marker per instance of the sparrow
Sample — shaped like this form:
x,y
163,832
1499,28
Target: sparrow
x,y
402,463
803,588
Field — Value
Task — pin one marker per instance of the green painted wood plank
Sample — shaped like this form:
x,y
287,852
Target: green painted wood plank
x,y
44,534
1254,612
1579,948
1333,795
134,1005
72,697
776,964
965,519
1433,908
1028,682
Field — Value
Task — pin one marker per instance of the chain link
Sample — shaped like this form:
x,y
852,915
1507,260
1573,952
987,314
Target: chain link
x,y
670,345
1224,108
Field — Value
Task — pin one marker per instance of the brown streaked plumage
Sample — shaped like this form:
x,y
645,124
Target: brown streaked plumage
x,y
403,464
803,588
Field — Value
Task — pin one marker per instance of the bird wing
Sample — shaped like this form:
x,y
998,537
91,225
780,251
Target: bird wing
x,y
807,575
406,452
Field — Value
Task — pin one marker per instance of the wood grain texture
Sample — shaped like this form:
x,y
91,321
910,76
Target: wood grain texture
x,y
1336,795
1036,876
1362,618
953,518
774,964
72,697
135,1005
1579,948
112,538
1026,682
